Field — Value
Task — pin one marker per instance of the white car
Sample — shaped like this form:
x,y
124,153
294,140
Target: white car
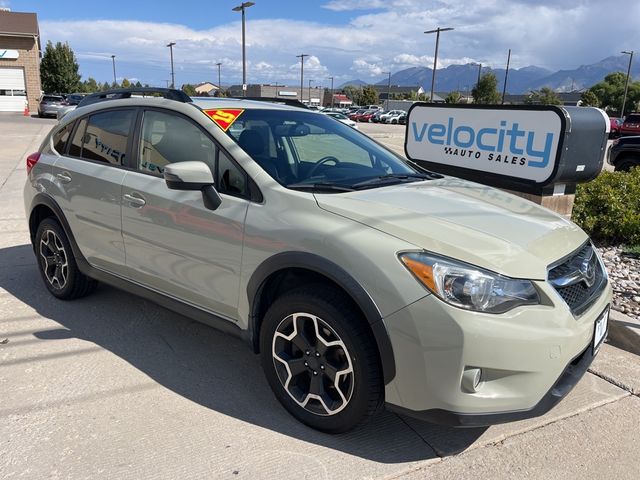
x,y
342,118
384,118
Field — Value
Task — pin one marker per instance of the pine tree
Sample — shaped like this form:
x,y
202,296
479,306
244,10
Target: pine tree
x,y
486,92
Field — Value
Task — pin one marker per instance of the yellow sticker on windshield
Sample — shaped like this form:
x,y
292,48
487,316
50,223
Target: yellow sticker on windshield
x,y
224,117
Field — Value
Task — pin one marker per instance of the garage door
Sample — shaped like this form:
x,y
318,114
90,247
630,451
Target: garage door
x,y
12,90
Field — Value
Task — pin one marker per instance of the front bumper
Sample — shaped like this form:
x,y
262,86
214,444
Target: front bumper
x,y
530,357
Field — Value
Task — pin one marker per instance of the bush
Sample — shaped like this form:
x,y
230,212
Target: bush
x,y
608,208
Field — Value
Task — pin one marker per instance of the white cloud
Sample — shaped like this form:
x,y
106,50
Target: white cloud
x,y
382,35
5,4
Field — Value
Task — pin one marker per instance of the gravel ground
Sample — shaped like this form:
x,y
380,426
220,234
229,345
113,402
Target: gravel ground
x,y
624,273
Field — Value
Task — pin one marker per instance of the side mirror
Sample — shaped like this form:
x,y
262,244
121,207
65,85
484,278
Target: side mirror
x,y
193,176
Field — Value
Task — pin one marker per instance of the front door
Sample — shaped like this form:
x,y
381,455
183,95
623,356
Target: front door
x,y
173,243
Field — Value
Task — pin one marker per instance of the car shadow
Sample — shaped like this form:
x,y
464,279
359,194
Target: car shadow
x,y
208,367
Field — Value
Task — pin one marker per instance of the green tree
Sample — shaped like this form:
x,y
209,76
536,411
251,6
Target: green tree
x,y
353,93
589,99
59,69
544,96
125,83
453,97
369,95
610,92
105,86
138,84
189,90
90,85
486,91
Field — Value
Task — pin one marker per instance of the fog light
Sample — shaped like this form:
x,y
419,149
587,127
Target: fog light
x,y
471,378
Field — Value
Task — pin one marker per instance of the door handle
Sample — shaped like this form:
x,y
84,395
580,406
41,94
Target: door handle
x,y
63,177
135,200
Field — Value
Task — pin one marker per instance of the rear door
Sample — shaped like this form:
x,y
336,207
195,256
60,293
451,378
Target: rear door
x,y
88,182
173,243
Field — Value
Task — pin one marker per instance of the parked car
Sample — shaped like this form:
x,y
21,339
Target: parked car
x,y
394,119
342,118
375,118
392,113
624,153
631,125
354,115
361,279
49,105
74,98
614,127
402,118
366,116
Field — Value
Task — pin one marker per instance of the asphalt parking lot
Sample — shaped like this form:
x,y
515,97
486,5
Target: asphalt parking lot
x,y
112,386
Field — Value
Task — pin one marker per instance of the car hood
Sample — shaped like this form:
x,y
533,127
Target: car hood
x,y
474,223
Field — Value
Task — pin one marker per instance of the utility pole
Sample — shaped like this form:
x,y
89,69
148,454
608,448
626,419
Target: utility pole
x,y
310,91
435,57
331,78
626,84
219,85
506,76
241,8
301,57
173,77
113,60
479,73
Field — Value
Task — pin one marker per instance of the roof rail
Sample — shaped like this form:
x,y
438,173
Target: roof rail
x,y
118,93
284,101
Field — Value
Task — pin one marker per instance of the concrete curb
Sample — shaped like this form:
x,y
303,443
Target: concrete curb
x,y
624,332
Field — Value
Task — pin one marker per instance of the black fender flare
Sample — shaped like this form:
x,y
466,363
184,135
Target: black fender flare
x,y
322,266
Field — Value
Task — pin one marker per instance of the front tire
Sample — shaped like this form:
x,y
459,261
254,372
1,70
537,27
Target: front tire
x,y
320,359
626,164
57,264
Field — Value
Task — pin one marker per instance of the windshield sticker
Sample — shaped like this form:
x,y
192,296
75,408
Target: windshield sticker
x,y
223,117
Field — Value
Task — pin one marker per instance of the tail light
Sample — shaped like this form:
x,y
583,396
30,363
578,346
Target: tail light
x,y
32,160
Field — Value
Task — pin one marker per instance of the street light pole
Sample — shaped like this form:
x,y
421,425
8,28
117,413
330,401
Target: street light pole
x,y
506,76
301,57
388,87
310,91
331,78
113,60
241,8
173,77
479,73
435,57
626,83
219,85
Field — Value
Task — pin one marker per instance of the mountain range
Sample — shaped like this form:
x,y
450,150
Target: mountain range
x,y
521,80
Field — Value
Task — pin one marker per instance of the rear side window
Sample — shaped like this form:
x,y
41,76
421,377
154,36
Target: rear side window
x,y
60,139
632,119
105,139
75,149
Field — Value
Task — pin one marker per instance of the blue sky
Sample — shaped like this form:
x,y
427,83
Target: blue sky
x,y
348,39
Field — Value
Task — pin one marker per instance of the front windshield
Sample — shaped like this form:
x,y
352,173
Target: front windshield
x,y
308,150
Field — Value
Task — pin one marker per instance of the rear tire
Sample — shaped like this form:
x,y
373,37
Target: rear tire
x,y
626,164
321,360
57,264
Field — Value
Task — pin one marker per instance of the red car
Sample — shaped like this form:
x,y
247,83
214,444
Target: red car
x,y
631,125
354,116
364,116
614,131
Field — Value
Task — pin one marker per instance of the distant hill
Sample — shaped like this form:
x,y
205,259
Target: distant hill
x,y
521,80
354,83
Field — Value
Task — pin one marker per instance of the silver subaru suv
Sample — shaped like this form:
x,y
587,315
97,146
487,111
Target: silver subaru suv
x,y
361,279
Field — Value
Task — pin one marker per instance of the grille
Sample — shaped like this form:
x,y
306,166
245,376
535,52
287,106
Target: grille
x,y
571,281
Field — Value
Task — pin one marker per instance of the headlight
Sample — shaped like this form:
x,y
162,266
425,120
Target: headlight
x,y
469,287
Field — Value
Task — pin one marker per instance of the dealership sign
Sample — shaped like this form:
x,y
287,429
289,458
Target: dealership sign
x,y
8,54
517,143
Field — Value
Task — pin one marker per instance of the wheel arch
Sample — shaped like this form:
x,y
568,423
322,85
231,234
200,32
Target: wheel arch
x,y
267,280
